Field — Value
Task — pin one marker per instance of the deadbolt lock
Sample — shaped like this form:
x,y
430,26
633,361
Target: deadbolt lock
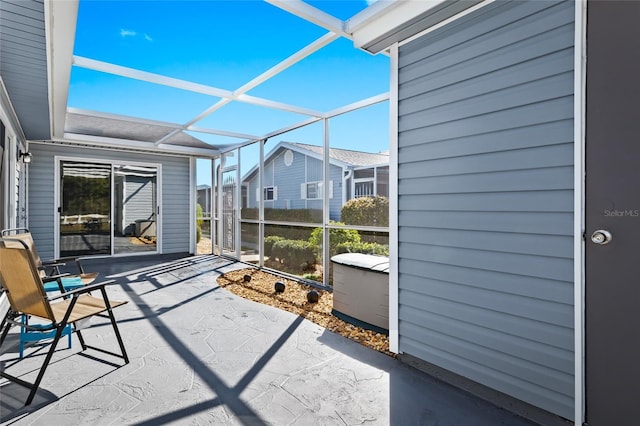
x,y
601,237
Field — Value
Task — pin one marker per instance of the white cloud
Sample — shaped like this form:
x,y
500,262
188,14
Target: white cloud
x,y
131,33
127,33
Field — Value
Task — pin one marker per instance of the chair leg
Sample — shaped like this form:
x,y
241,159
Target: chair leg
x,y
81,339
115,326
24,320
7,325
45,364
35,335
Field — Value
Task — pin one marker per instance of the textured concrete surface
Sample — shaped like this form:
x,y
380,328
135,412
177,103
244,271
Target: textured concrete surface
x,y
203,356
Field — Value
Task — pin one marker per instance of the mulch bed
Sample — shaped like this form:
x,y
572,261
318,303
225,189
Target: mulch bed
x,y
294,299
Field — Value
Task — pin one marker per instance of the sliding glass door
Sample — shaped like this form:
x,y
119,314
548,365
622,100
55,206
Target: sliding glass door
x,y
107,208
85,209
135,205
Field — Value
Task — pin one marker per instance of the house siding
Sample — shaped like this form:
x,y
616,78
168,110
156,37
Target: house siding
x,y
139,199
42,205
485,200
289,178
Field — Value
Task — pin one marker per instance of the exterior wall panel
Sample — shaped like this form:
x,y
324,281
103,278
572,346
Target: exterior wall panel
x,y
485,200
174,209
288,180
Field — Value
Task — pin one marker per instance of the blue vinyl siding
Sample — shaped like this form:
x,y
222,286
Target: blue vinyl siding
x,y
139,199
42,205
485,200
288,179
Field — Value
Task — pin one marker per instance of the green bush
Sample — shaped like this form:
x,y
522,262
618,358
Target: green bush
x,y
336,237
269,242
288,232
312,277
363,247
199,222
366,211
293,253
199,215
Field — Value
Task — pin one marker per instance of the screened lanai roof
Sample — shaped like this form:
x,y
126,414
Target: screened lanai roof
x,y
226,74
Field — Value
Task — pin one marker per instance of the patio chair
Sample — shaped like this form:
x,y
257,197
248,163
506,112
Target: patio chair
x,y
53,280
26,295
49,267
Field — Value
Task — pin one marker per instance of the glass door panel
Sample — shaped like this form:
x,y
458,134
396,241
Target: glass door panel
x,y
85,209
135,207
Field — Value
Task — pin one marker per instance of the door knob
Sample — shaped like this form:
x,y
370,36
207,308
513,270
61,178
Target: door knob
x,y
601,237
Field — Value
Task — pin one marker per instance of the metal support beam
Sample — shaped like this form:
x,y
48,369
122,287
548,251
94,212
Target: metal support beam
x,y
325,204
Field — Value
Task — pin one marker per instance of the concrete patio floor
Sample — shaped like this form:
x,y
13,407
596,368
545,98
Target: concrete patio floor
x,y
203,356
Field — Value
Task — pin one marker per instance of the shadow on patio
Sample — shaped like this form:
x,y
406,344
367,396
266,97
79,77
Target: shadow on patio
x,y
201,355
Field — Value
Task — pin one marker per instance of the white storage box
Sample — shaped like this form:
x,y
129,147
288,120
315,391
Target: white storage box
x,y
361,289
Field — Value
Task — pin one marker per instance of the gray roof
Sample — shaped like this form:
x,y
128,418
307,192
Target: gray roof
x,y
124,129
350,157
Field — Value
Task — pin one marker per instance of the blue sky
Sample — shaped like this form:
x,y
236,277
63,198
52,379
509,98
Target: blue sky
x,y
225,44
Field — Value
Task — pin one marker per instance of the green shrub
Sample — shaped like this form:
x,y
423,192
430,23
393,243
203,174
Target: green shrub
x,y
336,237
199,222
288,232
293,253
366,211
312,277
199,215
269,242
363,247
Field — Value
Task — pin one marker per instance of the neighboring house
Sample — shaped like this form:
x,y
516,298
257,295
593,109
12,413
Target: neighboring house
x,y
204,198
293,178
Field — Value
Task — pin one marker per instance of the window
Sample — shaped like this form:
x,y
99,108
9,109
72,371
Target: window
x,y
270,193
313,190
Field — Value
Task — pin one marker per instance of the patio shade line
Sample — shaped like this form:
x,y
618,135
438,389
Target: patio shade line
x,y
225,394
149,77
291,60
311,14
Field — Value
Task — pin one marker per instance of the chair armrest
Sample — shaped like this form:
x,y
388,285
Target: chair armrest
x,y
81,290
54,267
47,263
72,259
54,277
